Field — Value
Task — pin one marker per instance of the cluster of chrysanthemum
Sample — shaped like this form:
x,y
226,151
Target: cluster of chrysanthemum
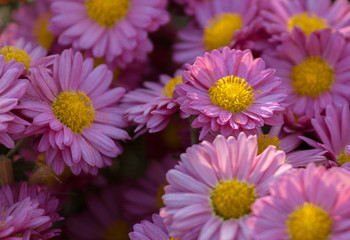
x,y
265,86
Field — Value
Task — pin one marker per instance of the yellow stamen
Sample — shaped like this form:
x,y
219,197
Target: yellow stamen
x,y
232,199
308,22
74,109
312,77
219,30
309,222
117,231
11,52
107,12
40,31
160,193
170,86
264,141
232,93
343,158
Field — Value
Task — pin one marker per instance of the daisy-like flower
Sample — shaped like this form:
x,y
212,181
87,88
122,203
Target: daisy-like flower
x,y
12,89
152,107
310,204
314,70
27,213
332,130
104,218
222,23
74,113
33,20
282,16
146,198
27,53
146,230
116,30
229,91
211,191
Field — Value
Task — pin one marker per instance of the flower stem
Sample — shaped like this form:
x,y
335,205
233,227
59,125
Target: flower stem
x,y
14,150
194,132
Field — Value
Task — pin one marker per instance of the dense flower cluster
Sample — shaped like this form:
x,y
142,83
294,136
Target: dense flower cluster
x,y
175,119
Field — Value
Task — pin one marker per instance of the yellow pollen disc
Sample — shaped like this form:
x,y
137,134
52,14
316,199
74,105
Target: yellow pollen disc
x,y
232,199
173,238
74,109
308,22
11,52
107,12
343,158
312,77
170,86
232,93
264,141
309,222
117,231
160,193
44,36
219,30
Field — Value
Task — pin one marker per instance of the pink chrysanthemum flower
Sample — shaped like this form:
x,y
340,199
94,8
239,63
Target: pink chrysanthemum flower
x,y
281,16
116,30
74,113
229,91
222,23
146,198
104,219
310,203
212,189
155,230
12,89
332,130
314,70
33,20
9,35
27,53
152,107
27,213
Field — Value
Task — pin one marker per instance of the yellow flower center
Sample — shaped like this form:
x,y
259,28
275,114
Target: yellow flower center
x,y
107,12
170,86
117,231
232,93
312,77
160,193
173,238
219,30
343,158
44,36
264,141
74,109
309,222
308,22
232,199
11,52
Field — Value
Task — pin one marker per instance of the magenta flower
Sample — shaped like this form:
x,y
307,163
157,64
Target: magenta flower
x,y
33,20
314,70
310,204
115,30
332,131
27,213
282,16
12,90
229,92
74,114
222,23
151,108
146,230
211,191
